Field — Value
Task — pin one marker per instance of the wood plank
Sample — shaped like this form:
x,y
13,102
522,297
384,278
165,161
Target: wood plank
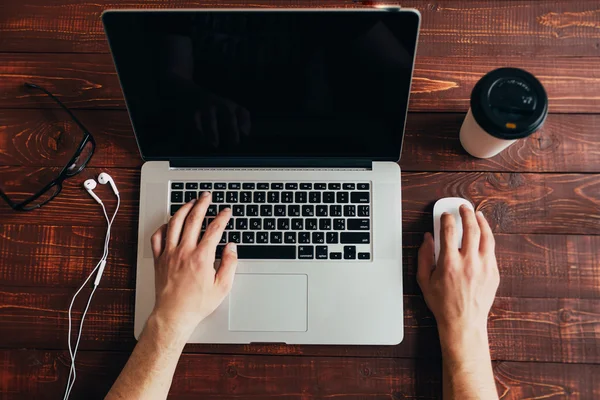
x,y
521,329
439,84
62,256
41,374
566,143
513,202
487,28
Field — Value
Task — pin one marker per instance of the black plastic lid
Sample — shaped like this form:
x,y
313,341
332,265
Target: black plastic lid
x,y
509,103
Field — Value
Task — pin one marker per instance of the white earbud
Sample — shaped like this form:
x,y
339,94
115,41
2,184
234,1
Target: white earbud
x,y
105,178
90,185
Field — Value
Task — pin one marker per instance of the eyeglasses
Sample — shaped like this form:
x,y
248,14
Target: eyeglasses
x,y
76,164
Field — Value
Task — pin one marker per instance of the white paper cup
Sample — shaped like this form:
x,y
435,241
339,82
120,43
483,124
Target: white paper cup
x,y
506,105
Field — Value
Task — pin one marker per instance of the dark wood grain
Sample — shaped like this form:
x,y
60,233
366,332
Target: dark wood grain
x,y
439,83
61,256
566,143
513,202
449,28
41,374
521,329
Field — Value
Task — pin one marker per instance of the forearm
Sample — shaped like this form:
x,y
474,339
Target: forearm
x,y
467,366
149,371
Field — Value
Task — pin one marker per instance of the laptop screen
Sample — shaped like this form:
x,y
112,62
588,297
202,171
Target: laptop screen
x,y
256,84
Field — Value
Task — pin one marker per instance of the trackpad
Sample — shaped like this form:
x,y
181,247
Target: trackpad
x,y
269,303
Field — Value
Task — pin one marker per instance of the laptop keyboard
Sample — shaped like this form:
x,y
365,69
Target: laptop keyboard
x,y
288,220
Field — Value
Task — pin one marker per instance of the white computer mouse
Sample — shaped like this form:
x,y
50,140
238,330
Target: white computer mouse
x,y
451,206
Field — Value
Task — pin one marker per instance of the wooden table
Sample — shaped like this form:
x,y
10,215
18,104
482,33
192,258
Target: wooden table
x,y
542,197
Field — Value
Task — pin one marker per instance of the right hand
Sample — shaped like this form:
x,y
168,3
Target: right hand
x,y
461,288
188,289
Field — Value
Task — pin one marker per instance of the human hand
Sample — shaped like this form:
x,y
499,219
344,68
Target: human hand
x,y
461,288
188,289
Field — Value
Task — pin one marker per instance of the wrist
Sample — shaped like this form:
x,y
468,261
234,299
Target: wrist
x,y
166,333
460,344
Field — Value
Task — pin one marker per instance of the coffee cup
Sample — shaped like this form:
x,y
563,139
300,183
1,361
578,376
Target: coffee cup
x,y
507,104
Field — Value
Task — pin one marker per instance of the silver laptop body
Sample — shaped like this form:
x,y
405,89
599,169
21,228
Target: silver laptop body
x,y
321,290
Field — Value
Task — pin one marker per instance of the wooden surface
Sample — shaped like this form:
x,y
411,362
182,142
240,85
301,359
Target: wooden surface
x,y
542,196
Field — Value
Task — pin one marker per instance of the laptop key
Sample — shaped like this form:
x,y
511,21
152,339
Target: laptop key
x,y
211,211
223,206
279,210
273,197
314,197
334,186
260,197
349,252
339,224
220,186
241,223
287,197
223,238
252,210
320,186
235,237
246,197
269,224
306,252
363,211
310,224
331,237
189,196
301,197
176,197
321,252
266,210
289,237
255,224
303,237
325,224
248,237
328,197
335,211
355,237
364,256
318,237
238,210
297,224
350,211
254,252
358,224
283,224
174,208
177,185
218,197
308,211
321,211
306,186
291,186
232,197
276,237
359,197
262,237
277,186
363,186
234,186
248,186
342,197
191,186
348,186
294,211
335,256
262,186
205,186
229,225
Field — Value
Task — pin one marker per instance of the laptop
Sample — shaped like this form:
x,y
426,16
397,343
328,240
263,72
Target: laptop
x,y
295,120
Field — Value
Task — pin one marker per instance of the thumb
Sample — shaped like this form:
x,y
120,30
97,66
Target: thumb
x,y
226,272
426,260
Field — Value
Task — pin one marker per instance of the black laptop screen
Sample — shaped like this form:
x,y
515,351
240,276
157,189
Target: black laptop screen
x,y
281,84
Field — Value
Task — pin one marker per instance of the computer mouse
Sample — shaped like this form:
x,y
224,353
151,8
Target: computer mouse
x,y
449,205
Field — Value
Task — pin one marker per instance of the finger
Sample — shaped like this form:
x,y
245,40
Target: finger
x,y
243,117
157,241
193,222
448,239
471,232
176,224
214,231
487,244
426,260
226,272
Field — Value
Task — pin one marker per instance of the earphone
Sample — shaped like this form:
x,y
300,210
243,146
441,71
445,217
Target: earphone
x,y
89,186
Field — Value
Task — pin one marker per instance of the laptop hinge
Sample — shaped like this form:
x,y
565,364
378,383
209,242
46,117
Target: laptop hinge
x,y
272,163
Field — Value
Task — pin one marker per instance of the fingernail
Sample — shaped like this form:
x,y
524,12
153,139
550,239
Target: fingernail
x,y
480,214
445,213
192,201
232,247
426,235
227,209
205,194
